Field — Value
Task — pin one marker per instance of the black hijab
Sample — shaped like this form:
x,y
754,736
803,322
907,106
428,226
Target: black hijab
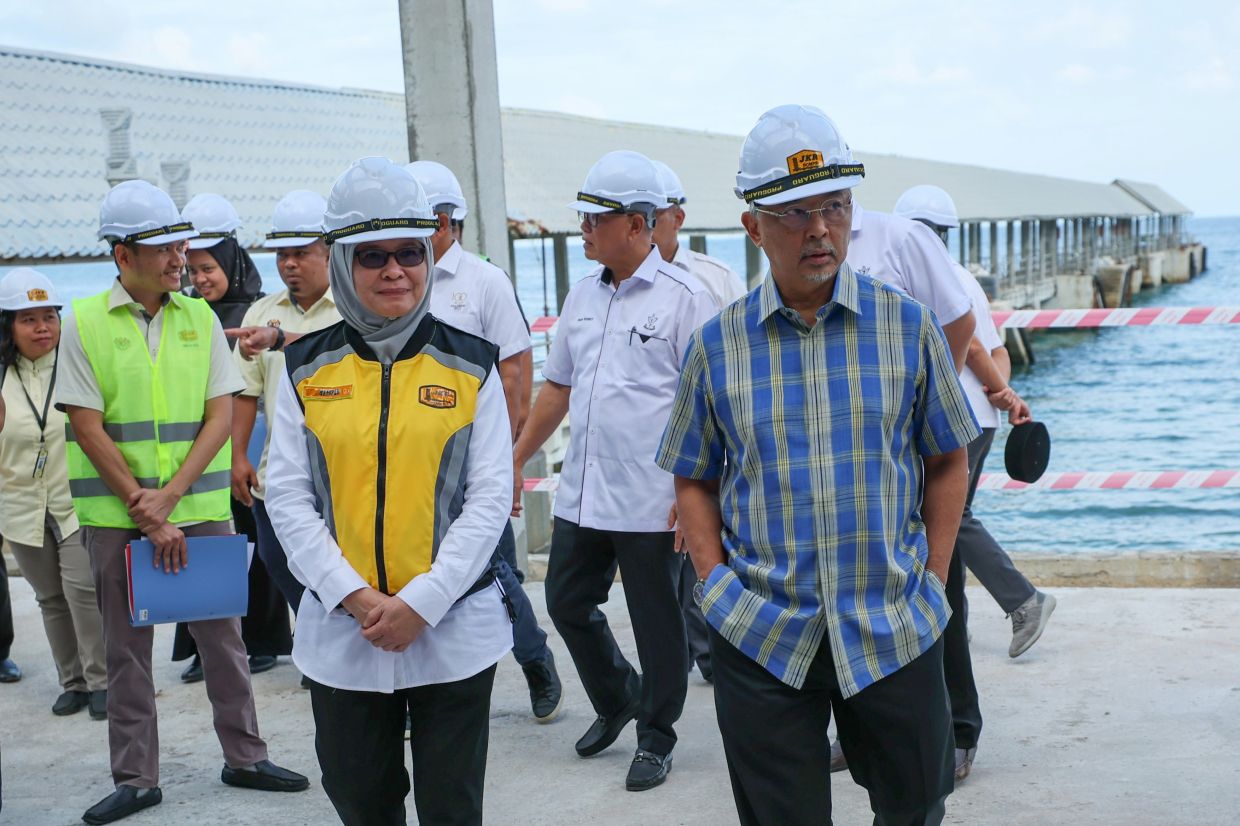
x,y
245,285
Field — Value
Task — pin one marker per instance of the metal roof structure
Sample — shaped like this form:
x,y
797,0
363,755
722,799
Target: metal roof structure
x,y
1153,196
71,126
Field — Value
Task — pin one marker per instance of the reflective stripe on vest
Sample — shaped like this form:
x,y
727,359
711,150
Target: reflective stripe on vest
x,y
152,410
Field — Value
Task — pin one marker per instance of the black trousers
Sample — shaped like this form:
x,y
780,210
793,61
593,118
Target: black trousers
x,y
580,574
6,616
360,736
896,732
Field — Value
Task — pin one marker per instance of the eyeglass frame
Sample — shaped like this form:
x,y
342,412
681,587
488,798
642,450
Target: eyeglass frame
x,y
802,221
420,248
647,211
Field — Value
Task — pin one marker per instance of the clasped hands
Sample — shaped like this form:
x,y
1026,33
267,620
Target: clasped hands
x,y
387,621
149,509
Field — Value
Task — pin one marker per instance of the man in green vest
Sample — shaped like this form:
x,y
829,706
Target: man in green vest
x,y
147,380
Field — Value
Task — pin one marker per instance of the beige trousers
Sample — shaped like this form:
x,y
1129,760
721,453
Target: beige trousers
x,y
133,735
59,573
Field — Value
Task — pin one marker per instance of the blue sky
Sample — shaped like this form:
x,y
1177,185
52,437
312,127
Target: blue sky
x,y
1090,90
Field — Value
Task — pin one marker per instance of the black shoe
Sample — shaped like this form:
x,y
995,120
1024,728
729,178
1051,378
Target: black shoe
x,y
122,803
262,662
604,731
9,672
71,702
546,693
647,770
266,777
99,704
193,671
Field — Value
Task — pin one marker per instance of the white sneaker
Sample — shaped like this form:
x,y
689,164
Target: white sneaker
x,y
1028,622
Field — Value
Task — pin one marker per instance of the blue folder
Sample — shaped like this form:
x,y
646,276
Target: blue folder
x,y
214,585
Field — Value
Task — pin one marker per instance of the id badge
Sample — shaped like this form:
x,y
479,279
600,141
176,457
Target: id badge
x,y
40,462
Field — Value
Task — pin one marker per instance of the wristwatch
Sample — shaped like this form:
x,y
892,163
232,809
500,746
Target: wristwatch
x,y
279,345
699,592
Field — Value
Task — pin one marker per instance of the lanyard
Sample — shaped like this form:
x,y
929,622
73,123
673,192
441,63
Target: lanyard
x,y
47,401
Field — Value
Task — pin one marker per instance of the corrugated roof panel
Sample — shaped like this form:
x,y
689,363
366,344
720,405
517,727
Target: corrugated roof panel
x,y
1154,196
252,141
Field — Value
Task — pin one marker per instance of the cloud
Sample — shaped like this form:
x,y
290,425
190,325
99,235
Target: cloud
x,y
249,53
1088,27
1212,76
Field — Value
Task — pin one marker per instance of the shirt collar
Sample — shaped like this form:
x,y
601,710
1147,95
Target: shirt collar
x,y
856,217
43,362
451,259
286,299
645,272
120,297
845,294
682,258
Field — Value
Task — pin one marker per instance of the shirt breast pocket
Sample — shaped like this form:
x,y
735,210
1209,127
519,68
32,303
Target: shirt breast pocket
x,y
643,354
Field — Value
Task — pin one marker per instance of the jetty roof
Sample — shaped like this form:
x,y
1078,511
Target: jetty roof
x,y
71,126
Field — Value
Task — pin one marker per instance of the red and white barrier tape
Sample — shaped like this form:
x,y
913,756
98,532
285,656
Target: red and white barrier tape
x,y
1069,319
1116,480
1118,317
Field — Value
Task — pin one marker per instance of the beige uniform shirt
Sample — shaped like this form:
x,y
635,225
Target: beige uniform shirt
x,y
262,373
26,497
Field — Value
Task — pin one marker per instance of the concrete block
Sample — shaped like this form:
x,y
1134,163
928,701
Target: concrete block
x,y
1151,264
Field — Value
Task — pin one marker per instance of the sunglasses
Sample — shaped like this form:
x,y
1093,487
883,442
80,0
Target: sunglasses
x,y
834,211
376,259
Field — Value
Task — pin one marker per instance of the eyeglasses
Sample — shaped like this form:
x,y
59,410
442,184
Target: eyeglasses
x,y
591,219
834,211
376,259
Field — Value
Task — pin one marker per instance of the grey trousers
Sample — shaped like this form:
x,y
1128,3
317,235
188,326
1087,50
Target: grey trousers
x,y
982,555
133,734
59,573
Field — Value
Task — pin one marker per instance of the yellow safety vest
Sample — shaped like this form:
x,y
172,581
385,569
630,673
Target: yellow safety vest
x,y
152,410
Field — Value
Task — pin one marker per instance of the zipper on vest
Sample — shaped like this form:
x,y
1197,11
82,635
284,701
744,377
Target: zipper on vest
x,y
385,398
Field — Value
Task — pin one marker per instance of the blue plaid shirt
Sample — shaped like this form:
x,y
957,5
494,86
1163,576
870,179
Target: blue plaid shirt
x,y
817,435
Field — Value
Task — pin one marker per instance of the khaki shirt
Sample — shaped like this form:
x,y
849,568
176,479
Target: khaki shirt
x,y
25,501
76,384
262,373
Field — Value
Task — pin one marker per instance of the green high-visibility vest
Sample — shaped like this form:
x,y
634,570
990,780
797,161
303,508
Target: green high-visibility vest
x,y
152,410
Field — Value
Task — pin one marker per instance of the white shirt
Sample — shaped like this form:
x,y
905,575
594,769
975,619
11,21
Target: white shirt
x,y
620,349
717,277
464,637
986,413
476,296
909,256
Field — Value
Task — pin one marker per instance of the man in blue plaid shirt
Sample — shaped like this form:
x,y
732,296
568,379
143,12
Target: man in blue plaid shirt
x,y
818,442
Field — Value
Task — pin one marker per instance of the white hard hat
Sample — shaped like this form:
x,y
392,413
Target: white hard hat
x,y
376,200
213,217
297,221
794,152
669,183
441,187
929,203
141,212
25,289
617,181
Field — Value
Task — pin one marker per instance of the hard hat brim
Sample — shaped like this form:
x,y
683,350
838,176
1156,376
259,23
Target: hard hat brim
x,y
159,240
825,187
203,243
31,305
586,206
460,213
386,235
278,243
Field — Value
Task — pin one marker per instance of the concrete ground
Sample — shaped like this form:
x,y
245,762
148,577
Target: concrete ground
x,y
1126,712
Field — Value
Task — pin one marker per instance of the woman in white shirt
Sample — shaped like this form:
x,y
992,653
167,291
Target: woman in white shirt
x,y
36,510
389,481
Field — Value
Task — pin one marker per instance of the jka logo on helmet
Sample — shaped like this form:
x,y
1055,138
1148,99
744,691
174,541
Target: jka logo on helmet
x,y
804,160
36,294
433,395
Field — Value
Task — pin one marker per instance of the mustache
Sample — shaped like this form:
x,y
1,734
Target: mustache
x,y
815,248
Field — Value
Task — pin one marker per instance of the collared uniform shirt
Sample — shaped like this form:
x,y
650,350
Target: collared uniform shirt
x,y
620,348
26,499
76,384
717,277
262,373
476,296
816,434
987,414
908,256
463,637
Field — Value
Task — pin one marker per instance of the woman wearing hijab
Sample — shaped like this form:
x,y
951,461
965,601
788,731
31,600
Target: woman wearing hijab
x,y
222,273
36,508
389,482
